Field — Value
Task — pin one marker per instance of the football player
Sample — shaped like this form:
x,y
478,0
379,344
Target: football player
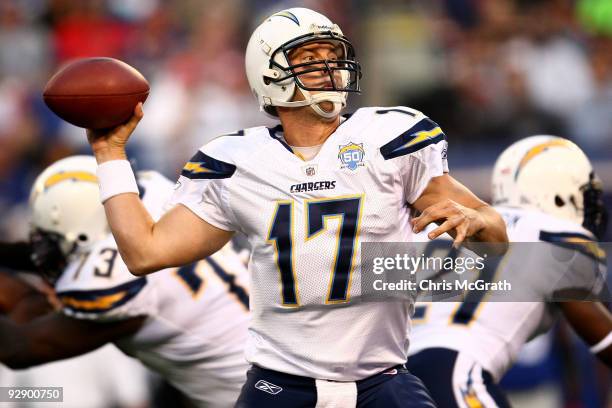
x,y
547,192
306,193
189,324
25,297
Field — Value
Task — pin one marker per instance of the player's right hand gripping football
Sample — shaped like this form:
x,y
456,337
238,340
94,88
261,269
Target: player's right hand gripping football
x,y
109,144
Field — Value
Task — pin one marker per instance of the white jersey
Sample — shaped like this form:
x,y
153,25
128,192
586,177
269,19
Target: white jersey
x,y
197,315
492,332
85,378
305,221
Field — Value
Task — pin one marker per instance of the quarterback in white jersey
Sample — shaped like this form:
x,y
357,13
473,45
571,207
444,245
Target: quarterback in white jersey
x,y
306,225
306,194
469,346
188,324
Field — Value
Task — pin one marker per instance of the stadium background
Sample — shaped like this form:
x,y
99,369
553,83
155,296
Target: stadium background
x,y
488,71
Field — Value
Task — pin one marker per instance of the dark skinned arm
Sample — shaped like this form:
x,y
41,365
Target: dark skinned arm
x,y
592,321
20,301
16,255
30,307
12,291
56,336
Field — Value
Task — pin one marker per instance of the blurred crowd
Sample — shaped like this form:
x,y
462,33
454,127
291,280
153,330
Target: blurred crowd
x,y
488,71
496,71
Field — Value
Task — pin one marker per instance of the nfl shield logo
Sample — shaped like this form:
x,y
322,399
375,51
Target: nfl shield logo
x,y
310,170
351,155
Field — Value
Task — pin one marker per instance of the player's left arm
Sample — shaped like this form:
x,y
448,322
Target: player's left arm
x,y
459,213
593,323
17,256
12,291
20,301
30,307
56,336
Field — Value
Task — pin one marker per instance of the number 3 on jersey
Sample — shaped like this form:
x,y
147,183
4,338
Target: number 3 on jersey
x,y
280,235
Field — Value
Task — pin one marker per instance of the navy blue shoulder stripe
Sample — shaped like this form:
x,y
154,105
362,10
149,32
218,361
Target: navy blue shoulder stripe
x,y
575,241
424,133
563,236
101,300
383,111
273,131
202,166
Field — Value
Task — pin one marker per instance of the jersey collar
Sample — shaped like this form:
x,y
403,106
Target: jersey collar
x,y
277,131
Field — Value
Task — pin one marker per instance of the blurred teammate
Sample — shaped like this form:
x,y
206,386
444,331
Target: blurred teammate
x,y
188,324
546,190
306,193
25,297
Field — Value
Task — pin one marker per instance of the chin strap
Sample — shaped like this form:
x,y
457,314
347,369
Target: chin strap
x,y
328,114
338,99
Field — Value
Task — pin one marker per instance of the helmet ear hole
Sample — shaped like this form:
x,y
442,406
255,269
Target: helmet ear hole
x,y
559,201
83,238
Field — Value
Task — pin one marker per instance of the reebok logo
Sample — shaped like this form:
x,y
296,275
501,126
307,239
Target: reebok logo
x,y
270,388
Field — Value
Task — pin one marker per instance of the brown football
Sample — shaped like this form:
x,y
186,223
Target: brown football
x,y
95,93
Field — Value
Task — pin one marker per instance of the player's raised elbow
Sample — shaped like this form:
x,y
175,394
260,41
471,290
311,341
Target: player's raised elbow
x,y
142,265
139,258
141,268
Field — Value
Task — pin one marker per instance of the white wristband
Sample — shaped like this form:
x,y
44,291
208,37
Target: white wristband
x,y
116,177
602,345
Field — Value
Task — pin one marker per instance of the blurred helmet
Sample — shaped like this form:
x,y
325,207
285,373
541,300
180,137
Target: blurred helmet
x,y
273,80
66,211
552,174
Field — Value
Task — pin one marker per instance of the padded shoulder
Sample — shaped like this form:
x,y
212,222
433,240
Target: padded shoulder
x,y
98,282
398,130
532,225
219,158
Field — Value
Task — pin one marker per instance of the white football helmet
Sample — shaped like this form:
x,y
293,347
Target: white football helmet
x,y
65,202
273,80
552,174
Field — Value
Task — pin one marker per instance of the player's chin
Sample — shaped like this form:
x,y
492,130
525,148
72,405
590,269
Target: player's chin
x,y
327,107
